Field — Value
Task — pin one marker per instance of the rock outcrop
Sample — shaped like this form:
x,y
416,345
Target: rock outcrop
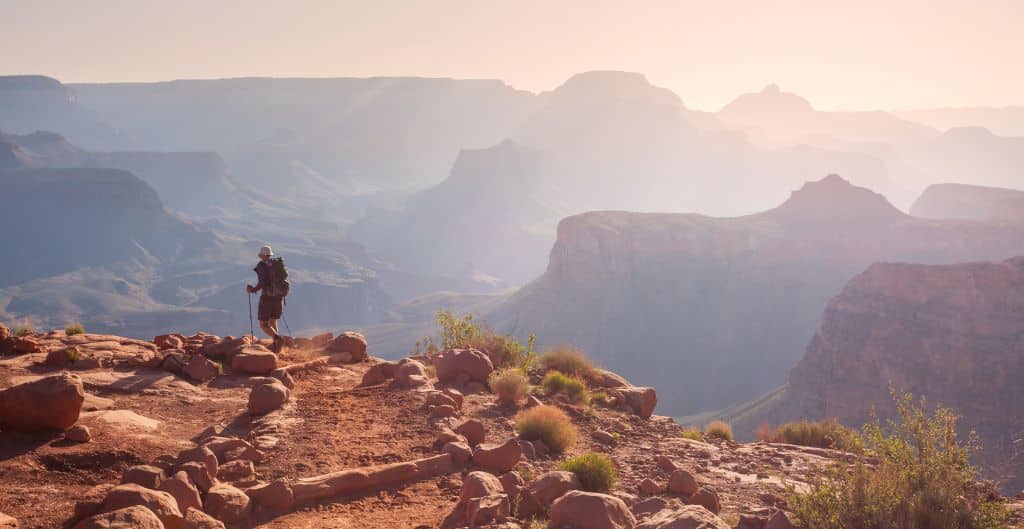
x,y
51,403
970,202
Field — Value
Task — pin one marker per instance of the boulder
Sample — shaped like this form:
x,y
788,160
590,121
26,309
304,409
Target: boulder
x,y
276,495
442,411
512,483
641,401
650,487
203,455
408,374
201,369
478,484
644,508
78,433
197,519
455,395
90,502
602,378
461,452
472,430
8,522
378,374
169,341
779,520
220,446
529,452
487,510
186,495
604,437
227,504
471,363
685,517
349,347
25,344
239,470
498,458
265,398
51,403
197,474
145,475
161,503
591,510
682,482
254,359
225,349
707,497
133,517
538,495
665,463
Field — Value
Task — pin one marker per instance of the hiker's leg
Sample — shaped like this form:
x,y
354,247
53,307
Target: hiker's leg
x,y
272,323
269,330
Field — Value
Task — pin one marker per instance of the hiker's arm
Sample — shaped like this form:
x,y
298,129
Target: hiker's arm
x,y
260,284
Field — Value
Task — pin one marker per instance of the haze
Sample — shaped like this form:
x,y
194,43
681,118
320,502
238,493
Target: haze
x,y
840,55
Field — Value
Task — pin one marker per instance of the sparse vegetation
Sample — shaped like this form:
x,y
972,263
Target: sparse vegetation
x,y
560,383
595,471
719,429
24,329
548,424
73,329
567,360
509,384
693,434
538,523
919,477
826,433
459,332
73,354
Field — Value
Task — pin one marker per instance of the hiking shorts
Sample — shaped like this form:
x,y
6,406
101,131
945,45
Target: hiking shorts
x,y
270,308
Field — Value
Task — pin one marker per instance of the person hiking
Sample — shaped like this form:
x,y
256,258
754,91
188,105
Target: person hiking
x,y
273,290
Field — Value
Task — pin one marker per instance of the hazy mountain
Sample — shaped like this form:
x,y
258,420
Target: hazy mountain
x,y
29,103
1005,121
969,155
949,333
713,311
961,201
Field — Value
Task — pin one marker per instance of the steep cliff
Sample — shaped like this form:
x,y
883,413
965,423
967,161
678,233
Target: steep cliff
x,y
715,311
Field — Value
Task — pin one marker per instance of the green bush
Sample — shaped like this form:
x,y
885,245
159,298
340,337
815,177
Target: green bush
x,y
826,433
22,330
572,387
73,329
548,424
692,434
920,477
73,354
567,360
509,384
595,471
719,429
460,332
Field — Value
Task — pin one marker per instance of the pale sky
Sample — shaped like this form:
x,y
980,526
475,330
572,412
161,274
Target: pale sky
x,y
852,55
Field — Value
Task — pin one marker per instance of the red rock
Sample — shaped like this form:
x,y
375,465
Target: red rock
x,y
197,474
779,520
203,455
238,470
591,510
477,484
169,341
254,359
538,495
221,445
455,395
665,463
227,504
707,497
161,503
650,487
641,401
487,509
144,475
644,508
197,519
78,433
472,430
512,483
682,482
498,458
265,398
408,373
276,495
225,349
606,379
321,340
133,517
689,516
185,494
201,369
442,411
51,403
468,362
26,344
460,452
378,374
91,501
349,346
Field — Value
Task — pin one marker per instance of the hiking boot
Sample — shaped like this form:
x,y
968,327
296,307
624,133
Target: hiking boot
x,y
277,344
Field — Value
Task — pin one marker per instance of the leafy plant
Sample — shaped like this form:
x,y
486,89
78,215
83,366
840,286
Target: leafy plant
x,y
567,360
595,471
560,383
719,429
73,329
461,332
548,424
915,474
692,434
509,384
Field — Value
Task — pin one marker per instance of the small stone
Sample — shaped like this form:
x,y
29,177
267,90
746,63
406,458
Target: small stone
x,y
78,433
472,430
650,487
682,482
145,475
238,470
707,497
604,437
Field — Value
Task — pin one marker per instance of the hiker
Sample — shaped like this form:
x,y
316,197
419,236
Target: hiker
x,y
273,287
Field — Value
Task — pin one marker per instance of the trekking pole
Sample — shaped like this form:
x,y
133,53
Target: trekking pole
x,y
252,333
285,320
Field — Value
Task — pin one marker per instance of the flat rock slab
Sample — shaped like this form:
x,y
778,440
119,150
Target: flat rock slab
x,y
125,419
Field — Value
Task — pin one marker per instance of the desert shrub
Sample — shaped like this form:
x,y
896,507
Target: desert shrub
x,y
919,477
459,332
692,434
538,523
719,429
826,433
73,354
24,329
595,471
567,360
509,384
73,329
559,383
548,424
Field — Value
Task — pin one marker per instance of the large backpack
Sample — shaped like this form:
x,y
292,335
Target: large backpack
x,y
279,285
